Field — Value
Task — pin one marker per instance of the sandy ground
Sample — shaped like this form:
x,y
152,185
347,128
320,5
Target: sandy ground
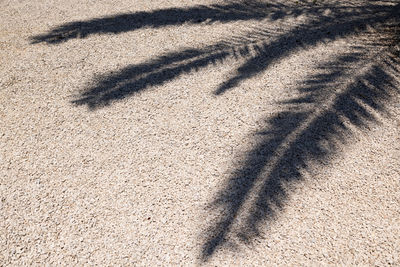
x,y
199,132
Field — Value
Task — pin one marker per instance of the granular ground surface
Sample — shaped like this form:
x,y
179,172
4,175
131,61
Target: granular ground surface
x,y
218,133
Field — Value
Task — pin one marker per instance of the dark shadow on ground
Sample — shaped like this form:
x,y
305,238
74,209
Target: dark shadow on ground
x,y
136,78
259,48
120,23
307,133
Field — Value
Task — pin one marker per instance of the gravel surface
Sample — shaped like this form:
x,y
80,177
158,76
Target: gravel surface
x,y
199,133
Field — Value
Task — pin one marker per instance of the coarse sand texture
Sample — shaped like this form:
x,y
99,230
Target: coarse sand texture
x,y
185,133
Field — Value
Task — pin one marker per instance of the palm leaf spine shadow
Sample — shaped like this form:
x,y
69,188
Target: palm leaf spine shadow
x,y
301,137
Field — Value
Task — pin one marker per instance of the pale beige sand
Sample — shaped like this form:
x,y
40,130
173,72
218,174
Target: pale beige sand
x,y
177,174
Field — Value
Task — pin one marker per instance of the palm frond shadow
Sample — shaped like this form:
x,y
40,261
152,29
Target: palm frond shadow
x,y
341,23
136,78
259,48
120,23
307,133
